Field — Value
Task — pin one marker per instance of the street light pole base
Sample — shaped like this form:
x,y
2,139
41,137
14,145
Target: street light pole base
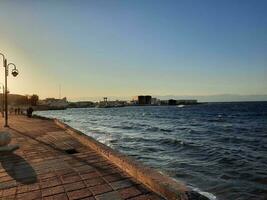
x,y
7,126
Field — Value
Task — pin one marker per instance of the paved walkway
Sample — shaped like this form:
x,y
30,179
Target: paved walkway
x,y
47,167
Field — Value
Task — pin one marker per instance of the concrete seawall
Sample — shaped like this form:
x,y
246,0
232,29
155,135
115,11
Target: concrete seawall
x,y
157,182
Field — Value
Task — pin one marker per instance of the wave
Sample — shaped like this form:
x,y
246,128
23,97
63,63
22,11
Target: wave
x,y
217,120
174,142
142,127
179,143
208,145
206,194
124,127
157,129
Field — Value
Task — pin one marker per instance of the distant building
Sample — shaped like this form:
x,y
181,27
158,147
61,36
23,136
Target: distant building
x,y
178,102
143,100
109,104
54,103
81,104
164,102
172,102
155,101
148,100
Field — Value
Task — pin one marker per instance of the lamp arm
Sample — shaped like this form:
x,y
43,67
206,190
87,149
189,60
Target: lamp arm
x,y
11,64
2,55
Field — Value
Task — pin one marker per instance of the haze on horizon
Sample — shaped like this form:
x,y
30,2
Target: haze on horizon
x,y
125,48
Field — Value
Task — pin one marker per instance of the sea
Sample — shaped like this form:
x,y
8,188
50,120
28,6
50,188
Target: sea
x,y
217,149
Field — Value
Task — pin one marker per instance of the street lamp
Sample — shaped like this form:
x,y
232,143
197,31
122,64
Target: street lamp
x,y
14,72
3,100
3,56
5,137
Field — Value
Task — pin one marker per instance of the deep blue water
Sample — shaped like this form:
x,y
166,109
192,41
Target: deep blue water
x,y
219,148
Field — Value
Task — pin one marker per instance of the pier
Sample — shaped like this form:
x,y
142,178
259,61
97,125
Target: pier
x,y
55,161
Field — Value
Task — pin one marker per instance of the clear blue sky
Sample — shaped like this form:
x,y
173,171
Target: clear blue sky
x,y
125,48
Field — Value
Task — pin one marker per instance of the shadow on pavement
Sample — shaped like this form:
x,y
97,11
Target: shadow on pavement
x,y
18,168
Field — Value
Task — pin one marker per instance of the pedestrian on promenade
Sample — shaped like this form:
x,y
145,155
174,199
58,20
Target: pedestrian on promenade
x,y
29,112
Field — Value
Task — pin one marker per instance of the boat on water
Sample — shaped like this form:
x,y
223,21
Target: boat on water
x,y
180,106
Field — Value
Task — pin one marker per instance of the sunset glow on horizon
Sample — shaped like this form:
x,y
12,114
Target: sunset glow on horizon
x,y
126,48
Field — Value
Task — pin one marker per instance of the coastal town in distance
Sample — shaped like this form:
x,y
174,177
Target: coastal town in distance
x,y
24,101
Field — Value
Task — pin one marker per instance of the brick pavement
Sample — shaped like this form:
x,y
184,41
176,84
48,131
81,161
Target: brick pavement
x,y
47,167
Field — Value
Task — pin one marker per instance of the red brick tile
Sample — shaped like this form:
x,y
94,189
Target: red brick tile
x,y
78,194
28,188
90,175
99,189
13,197
33,187
94,181
88,198
48,198
50,182
114,177
2,174
64,172
62,196
5,178
121,184
84,169
109,171
71,178
47,175
129,192
74,186
9,192
108,196
22,189
52,190
29,195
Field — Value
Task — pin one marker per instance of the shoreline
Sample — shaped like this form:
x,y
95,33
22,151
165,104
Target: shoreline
x,y
159,183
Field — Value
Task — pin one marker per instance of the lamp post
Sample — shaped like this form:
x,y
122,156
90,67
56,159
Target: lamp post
x,y
3,100
5,137
4,61
14,72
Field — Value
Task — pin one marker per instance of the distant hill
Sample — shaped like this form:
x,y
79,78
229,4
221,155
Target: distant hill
x,y
15,99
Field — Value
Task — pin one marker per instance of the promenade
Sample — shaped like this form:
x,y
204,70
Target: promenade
x,y
51,164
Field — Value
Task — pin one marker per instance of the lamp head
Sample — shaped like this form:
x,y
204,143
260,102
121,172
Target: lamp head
x,y
15,72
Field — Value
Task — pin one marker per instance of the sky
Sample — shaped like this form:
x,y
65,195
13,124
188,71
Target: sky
x,y
130,47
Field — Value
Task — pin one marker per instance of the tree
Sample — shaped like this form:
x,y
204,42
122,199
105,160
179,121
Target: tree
x,y
34,99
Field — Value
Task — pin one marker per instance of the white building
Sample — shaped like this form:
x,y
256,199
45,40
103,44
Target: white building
x,y
155,101
55,103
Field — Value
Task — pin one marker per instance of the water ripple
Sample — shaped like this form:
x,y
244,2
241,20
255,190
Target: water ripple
x,y
219,148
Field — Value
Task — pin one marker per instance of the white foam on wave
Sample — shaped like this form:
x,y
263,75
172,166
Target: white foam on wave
x,y
206,194
105,139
